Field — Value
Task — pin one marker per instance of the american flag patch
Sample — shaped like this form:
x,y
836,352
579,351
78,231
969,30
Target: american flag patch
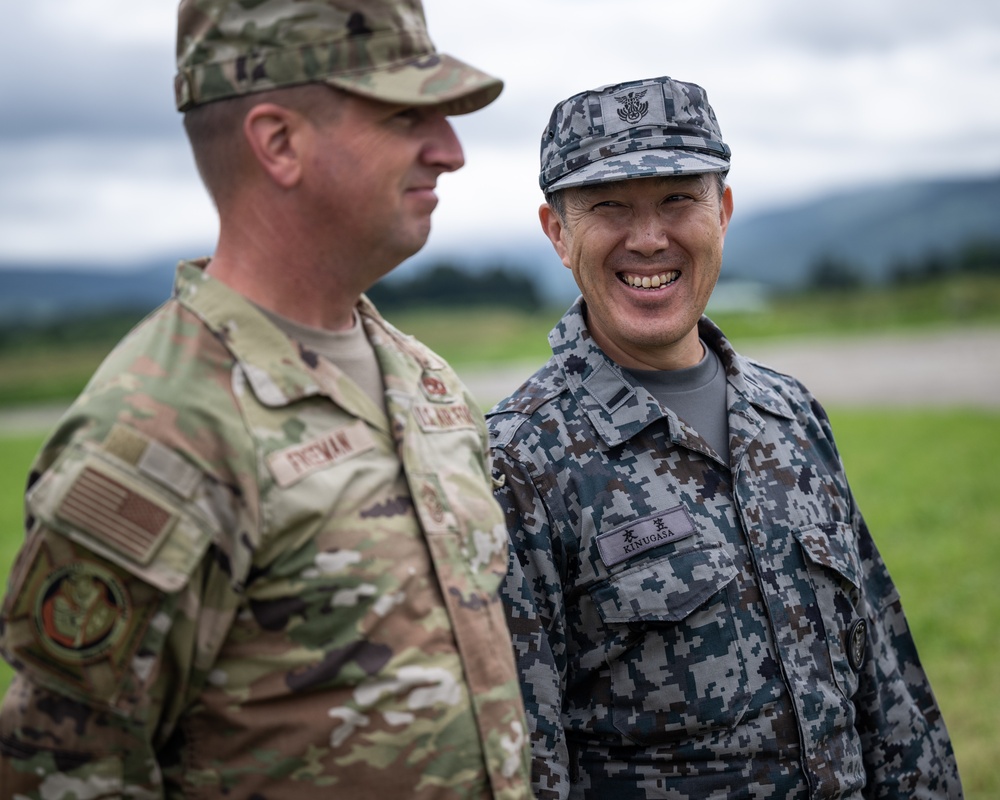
x,y
119,515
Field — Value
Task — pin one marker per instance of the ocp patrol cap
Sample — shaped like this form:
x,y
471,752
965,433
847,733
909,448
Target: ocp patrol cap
x,y
638,129
379,49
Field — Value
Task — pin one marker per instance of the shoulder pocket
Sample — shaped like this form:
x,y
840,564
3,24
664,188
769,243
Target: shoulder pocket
x,y
834,569
119,515
832,546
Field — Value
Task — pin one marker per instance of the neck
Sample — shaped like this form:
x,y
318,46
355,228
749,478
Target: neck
x,y
278,266
684,353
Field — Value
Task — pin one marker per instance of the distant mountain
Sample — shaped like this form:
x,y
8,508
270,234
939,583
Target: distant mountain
x,y
45,292
872,229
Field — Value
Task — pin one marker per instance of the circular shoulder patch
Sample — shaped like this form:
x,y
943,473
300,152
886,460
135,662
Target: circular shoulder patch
x,y
82,610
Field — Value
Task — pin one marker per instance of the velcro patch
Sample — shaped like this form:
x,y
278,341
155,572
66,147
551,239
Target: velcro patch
x,y
166,467
637,537
436,418
124,517
82,611
625,110
77,621
294,463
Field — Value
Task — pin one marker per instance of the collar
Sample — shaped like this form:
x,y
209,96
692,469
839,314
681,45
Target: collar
x,y
279,370
617,407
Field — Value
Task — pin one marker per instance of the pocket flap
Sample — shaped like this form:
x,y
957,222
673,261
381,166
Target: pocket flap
x,y
832,545
666,590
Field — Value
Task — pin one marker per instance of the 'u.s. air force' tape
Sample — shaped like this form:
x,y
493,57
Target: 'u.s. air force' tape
x,y
641,535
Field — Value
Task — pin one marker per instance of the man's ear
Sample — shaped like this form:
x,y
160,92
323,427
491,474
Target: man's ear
x,y
555,229
273,133
726,209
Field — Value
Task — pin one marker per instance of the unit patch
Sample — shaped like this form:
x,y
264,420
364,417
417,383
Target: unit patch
x,y
637,537
81,611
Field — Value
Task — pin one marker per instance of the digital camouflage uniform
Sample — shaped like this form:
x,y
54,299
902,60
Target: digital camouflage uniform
x,y
242,579
687,629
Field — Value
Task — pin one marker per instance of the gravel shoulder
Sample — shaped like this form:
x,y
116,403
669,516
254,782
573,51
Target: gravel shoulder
x,y
947,368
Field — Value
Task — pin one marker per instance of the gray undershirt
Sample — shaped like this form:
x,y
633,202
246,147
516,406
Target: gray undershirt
x,y
350,350
695,394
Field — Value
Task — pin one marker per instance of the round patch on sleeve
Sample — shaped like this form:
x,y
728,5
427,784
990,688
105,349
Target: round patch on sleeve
x,y
81,612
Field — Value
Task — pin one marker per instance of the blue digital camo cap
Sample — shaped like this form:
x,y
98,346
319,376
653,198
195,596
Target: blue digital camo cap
x,y
638,129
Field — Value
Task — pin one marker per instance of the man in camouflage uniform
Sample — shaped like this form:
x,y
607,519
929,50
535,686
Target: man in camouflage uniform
x,y
263,555
698,608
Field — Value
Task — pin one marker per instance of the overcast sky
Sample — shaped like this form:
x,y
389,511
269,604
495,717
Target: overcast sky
x,y
812,98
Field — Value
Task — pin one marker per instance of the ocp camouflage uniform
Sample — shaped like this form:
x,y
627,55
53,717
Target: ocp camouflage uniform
x,y
242,579
687,629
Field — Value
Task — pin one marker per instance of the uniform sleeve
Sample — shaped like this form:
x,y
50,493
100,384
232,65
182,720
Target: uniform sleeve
x,y
103,622
533,599
99,656
907,750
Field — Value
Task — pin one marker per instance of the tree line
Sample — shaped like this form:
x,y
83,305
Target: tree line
x,y
441,286
447,286
977,257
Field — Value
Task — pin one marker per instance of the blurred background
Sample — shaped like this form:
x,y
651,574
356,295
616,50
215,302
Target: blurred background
x,y
864,254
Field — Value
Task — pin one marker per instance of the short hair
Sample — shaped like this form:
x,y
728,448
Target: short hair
x,y
215,130
557,199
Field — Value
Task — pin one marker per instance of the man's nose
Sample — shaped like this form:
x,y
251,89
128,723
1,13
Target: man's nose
x,y
442,149
647,235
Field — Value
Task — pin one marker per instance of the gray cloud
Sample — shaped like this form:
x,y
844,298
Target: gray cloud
x,y
812,97
851,26
67,73
121,95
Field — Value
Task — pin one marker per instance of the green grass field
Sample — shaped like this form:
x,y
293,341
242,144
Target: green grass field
x,y
927,482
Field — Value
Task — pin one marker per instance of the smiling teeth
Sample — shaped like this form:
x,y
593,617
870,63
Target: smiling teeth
x,y
647,282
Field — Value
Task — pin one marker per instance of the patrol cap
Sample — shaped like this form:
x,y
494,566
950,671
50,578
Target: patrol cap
x,y
379,49
637,129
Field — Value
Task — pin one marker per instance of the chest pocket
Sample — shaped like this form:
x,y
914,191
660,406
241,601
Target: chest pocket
x,y
677,667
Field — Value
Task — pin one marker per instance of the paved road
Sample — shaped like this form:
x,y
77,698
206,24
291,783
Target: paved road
x,y
947,368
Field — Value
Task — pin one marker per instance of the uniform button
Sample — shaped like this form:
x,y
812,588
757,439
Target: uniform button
x,y
857,644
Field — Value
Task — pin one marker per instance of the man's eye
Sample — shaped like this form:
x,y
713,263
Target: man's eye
x,y
408,116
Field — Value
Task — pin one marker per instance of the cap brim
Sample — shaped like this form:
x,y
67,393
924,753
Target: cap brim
x,y
430,80
640,164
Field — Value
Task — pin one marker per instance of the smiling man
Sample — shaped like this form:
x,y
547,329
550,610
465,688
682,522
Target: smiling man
x,y
263,557
697,606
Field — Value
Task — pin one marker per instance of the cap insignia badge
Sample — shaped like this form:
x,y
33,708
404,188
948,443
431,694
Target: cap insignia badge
x,y
633,107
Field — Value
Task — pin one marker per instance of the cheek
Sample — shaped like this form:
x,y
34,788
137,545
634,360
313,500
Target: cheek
x,y
590,252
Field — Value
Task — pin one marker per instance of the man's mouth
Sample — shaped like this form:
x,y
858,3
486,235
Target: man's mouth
x,y
648,281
